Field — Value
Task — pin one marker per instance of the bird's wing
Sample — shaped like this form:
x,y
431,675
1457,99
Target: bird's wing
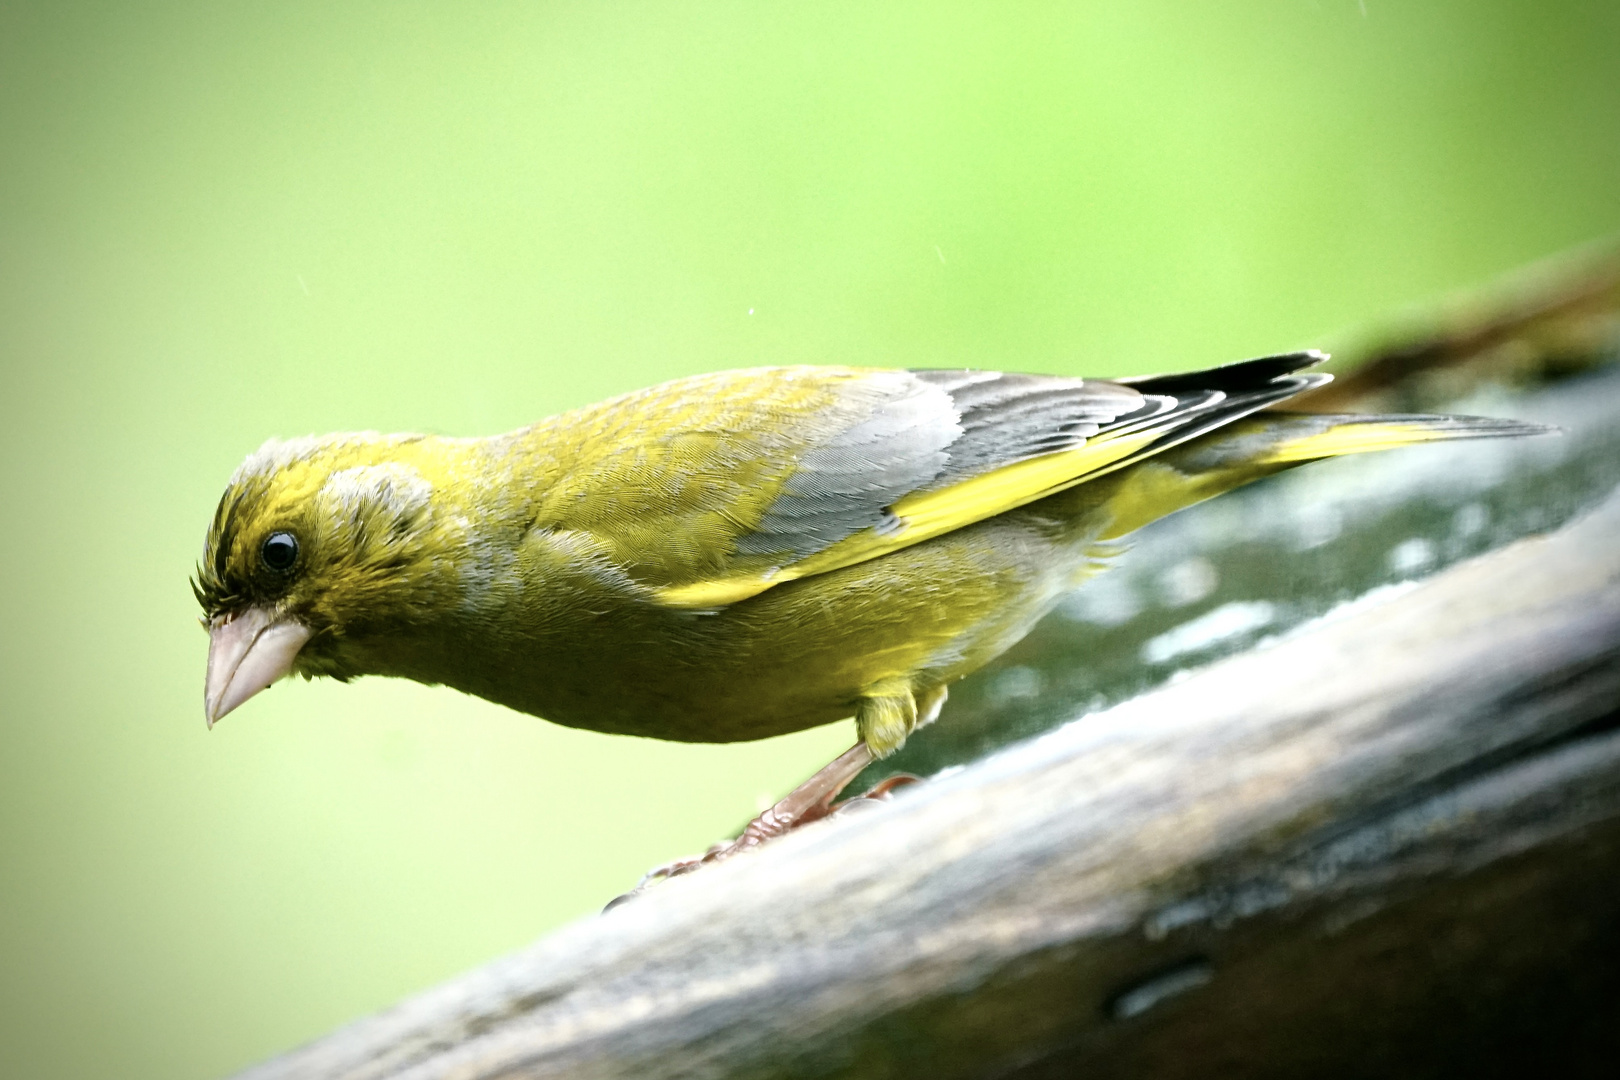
x,y
712,489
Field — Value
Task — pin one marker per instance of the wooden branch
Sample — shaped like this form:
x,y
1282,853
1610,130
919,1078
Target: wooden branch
x,y
1534,325
1385,843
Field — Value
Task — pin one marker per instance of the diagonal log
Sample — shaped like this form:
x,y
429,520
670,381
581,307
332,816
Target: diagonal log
x,y
1387,842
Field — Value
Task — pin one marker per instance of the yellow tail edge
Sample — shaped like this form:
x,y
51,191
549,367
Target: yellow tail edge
x,y
1269,442
1336,436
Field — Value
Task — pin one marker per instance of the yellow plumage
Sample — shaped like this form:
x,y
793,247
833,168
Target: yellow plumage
x,y
737,555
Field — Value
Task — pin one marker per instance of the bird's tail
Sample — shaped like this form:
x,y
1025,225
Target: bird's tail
x,y
1268,442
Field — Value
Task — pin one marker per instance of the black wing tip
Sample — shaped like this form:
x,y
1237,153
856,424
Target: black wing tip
x,y
1232,378
1238,376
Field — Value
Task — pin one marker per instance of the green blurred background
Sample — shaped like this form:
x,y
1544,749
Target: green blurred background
x,y
222,222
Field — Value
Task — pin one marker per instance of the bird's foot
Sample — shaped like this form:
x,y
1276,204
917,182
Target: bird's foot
x,y
810,801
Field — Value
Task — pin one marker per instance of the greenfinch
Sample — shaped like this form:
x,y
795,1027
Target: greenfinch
x,y
736,555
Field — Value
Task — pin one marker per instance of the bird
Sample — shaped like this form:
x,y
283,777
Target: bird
x,y
742,554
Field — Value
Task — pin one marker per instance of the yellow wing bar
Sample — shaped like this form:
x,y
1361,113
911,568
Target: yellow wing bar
x,y
925,515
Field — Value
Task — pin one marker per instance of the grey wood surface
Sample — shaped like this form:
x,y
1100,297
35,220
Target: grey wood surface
x,y
1383,845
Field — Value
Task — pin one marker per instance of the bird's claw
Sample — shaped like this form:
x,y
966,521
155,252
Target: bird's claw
x,y
809,802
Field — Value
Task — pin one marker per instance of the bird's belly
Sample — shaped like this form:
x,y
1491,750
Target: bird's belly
x,y
803,653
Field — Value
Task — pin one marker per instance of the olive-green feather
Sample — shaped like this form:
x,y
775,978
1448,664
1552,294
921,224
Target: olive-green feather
x,y
744,554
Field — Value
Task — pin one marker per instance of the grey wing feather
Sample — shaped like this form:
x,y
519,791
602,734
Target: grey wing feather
x,y
1007,417
900,432
909,431
891,442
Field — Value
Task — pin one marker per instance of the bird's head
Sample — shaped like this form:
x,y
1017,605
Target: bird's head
x,y
317,543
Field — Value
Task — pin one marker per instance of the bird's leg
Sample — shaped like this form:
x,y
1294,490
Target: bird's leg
x,y
810,801
927,711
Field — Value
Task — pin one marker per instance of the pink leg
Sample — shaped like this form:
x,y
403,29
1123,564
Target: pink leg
x,y
810,801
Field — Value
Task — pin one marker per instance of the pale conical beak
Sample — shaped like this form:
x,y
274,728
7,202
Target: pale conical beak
x,y
247,653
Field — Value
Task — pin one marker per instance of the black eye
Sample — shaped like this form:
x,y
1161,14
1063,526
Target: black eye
x,y
279,551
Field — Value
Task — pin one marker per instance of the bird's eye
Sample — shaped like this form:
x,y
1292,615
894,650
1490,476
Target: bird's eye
x,y
279,551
